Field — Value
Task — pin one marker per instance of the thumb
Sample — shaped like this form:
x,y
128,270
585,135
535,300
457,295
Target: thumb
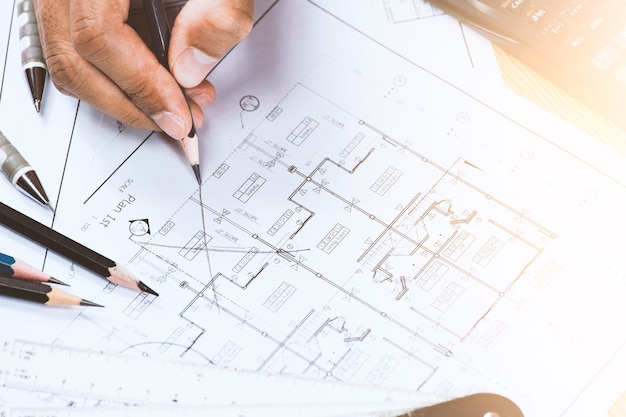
x,y
203,32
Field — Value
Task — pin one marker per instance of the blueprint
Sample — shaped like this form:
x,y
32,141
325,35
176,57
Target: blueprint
x,y
364,217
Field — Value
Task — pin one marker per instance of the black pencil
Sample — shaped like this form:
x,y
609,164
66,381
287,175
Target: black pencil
x,y
40,293
71,249
158,25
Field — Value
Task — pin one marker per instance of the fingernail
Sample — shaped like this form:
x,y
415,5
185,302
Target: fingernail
x,y
192,66
170,124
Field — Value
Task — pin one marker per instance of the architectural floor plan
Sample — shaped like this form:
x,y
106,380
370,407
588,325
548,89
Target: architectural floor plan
x,y
361,219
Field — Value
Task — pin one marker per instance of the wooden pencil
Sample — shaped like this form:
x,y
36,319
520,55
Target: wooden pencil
x,y
70,249
158,25
40,293
17,268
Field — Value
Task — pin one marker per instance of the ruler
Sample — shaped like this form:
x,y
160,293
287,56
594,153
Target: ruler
x,y
309,410
148,381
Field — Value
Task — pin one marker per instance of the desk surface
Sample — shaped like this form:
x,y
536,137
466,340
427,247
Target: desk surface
x,y
529,84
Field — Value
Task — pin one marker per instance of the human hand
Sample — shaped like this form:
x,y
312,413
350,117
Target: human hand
x,y
92,54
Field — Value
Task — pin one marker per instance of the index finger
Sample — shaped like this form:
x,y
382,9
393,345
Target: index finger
x,y
101,35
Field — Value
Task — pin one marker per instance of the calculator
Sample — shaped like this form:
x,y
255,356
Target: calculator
x,y
579,45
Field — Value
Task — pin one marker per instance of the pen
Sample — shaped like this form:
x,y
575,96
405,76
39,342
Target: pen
x,y
20,173
16,268
160,33
72,250
40,293
33,62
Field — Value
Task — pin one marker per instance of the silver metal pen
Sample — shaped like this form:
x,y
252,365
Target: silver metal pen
x,y
33,62
20,172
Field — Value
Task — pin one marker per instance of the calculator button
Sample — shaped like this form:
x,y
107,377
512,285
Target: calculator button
x,y
539,16
620,38
518,7
578,41
557,30
597,23
605,59
577,11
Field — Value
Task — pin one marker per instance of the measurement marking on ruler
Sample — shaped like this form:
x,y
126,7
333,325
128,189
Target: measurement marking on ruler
x,y
150,381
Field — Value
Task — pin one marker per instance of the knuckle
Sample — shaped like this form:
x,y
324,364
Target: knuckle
x,y
62,69
136,121
89,36
140,93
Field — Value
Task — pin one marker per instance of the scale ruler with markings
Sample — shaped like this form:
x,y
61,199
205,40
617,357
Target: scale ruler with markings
x,y
310,410
145,381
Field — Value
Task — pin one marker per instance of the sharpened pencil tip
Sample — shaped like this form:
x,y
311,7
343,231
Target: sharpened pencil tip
x,y
143,287
196,171
53,280
88,303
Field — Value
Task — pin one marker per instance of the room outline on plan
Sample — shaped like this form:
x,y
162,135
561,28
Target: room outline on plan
x,y
368,224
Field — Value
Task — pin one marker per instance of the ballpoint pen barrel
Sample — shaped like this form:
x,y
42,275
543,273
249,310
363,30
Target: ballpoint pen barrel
x,y
20,172
33,62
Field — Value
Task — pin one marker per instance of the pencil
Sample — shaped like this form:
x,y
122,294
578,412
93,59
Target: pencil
x,y
40,293
158,26
71,249
16,268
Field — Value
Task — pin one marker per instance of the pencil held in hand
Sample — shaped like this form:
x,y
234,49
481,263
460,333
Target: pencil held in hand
x,y
156,18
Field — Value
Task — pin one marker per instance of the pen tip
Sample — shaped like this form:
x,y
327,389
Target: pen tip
x,y
53,280
143,287
37,105
88,303
196,172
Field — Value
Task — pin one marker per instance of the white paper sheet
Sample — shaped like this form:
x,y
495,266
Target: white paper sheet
x,y
362,219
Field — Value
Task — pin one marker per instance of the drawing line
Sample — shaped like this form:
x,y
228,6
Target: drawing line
x,y
6,55
118,167
230,249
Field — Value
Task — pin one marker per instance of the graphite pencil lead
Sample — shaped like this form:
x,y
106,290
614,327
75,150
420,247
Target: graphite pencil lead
x,y
39,293
190,146
143,287
65,246
17,268
196,171
158,25
122,276
88,303
53,280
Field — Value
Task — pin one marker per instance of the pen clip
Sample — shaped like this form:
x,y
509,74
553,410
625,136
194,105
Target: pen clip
x,y
475,405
